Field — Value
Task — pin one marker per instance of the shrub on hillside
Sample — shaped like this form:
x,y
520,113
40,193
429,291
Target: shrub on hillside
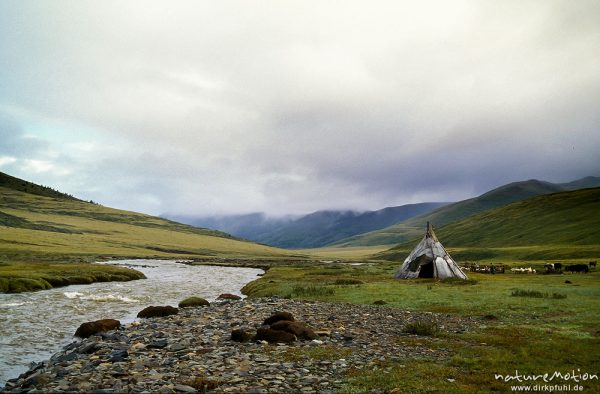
x,y
425,328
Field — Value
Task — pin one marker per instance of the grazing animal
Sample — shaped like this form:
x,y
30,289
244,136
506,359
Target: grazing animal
x,y
528,270
592,264
553,267
577,268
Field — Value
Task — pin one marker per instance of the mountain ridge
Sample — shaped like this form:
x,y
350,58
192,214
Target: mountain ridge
x,y
564,224
308,231
500,196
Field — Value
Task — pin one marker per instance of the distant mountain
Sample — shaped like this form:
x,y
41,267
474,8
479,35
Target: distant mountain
x,y
587,182
501,196
310,231
552,226
249,226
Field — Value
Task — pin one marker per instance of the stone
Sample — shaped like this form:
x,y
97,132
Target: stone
x,y
184,388
118,356
229,296
88,348
177,347
277,317
192,302
37,378
137,346
157,311
323,332
274,336
158,344
88,329
66,357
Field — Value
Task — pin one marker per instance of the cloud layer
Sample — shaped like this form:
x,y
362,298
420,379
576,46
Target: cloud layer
x,y
290,107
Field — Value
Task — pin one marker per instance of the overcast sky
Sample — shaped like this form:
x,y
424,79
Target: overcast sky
x,y
222,107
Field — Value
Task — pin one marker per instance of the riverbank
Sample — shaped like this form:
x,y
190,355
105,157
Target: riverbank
x,y
36,325
266,264
194,351
18,277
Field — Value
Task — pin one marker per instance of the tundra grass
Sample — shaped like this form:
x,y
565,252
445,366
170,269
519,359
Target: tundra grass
x,y
33,224
343,253
49,227
530,335
17,278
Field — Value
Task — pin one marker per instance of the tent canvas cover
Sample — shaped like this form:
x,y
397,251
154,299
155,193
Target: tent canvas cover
x,y
429,259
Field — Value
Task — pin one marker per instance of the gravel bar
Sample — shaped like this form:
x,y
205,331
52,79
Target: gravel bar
x,y
193,351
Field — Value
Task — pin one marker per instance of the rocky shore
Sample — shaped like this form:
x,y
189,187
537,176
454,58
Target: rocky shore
x,y
193,351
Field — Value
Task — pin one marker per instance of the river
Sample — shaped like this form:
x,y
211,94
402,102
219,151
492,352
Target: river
x,y
33,326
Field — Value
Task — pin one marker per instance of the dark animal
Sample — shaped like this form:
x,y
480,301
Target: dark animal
x,y
577,268
277,316
157,311
299,329
553,267
90,328
241,336
592,264
228,296
274,336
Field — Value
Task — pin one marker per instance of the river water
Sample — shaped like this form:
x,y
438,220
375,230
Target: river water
x,y
33,326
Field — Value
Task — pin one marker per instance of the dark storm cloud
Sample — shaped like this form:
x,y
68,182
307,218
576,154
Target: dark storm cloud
x,y
298,106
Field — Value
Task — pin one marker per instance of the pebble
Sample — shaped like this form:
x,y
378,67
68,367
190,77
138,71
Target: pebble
x,y
193,351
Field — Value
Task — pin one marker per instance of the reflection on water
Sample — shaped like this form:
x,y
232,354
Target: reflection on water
x,y
33,326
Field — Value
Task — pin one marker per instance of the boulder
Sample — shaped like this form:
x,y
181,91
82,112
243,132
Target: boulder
x,y
274,336
323,332
241,336
228,296
158,311
277,316
94,327
192,302
299,329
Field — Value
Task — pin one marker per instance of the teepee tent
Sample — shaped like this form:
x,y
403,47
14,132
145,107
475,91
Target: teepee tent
x,y
429,259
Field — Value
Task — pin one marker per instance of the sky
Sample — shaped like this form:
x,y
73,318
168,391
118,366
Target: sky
x,y
288,107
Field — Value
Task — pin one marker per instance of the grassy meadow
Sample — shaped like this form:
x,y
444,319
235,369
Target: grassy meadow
x,y
530,323
43,233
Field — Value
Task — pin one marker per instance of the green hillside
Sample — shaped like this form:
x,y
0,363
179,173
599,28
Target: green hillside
x,y
10,182
498,197
39,225
554,226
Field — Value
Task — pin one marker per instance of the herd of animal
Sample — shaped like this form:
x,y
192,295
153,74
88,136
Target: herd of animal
x,y
483,269
549,267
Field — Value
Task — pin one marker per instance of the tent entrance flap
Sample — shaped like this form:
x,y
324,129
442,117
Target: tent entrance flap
x,y
426,270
